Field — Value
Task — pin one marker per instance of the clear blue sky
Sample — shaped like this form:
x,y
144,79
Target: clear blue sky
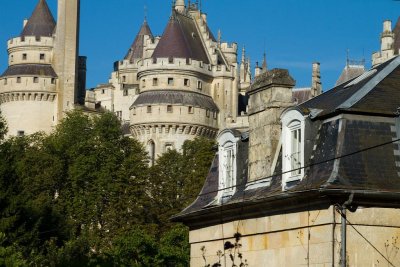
x,y
295,33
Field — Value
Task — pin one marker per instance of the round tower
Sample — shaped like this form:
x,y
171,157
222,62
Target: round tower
x,y
174,103
28,86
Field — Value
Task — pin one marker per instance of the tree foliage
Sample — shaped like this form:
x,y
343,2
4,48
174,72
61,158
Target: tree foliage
x,y
84,195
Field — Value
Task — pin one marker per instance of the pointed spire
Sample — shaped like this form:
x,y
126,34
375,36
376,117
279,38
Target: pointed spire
x,y
243,54
264,64
41,22
136,49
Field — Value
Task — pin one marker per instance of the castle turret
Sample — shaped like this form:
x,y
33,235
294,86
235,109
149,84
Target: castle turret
x,y
180,5
390,43
28,87
136,50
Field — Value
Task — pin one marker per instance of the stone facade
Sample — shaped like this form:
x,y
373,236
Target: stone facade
x,y
390,43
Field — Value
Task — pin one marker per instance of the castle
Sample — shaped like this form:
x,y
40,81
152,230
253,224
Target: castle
x,y
166,89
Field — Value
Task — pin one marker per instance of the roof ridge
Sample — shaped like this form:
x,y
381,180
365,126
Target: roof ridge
x,y
370,85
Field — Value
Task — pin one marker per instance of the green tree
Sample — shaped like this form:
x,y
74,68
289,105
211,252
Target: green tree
x,y
3,127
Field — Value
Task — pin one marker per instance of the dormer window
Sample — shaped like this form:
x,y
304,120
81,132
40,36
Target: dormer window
x,y
293,127
227,153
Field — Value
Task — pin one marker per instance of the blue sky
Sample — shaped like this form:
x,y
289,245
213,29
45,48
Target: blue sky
x,y
294,33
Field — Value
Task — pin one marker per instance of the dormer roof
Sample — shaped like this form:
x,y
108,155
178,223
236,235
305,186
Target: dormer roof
x,y
181,40
136,49
41,22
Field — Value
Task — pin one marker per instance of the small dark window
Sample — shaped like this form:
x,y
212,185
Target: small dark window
x,y
125,93
5,81
144,83
170,81
123,78
42,56
103,91
155,81
18,79
169,108
24,56
208,113
35,79
199,85
170,60
134,111
148,109
214,114
12,58
186,82
20,133
53,80
191,110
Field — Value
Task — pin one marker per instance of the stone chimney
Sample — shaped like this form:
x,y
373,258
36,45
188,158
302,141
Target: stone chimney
x,y
270,95
316,86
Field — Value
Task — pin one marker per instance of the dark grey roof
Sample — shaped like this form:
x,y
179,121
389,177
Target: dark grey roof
x,y
41,23
350,154
376,91
181,40
176,98
136,49
301,95
30,70
350,72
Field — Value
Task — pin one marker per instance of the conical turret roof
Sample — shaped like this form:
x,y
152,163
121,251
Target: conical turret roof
x,y
181,40
136,49
397,36
41,22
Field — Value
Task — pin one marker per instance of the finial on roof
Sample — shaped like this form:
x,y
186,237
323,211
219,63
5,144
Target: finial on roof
x,y
145,13
347,57
264,64
243,54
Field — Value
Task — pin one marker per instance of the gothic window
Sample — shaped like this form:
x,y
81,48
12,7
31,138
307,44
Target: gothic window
x,y
293,127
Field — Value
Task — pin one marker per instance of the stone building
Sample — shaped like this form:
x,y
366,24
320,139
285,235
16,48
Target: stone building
x,y
45,77
390,43
312,184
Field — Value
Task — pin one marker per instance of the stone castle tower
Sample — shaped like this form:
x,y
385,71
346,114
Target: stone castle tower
x,y
173,88
41,81
390,43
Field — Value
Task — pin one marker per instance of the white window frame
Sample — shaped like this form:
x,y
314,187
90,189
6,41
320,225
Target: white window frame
x,y
227,153
293,124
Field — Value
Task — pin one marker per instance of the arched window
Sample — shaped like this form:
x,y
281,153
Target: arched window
x,y
293,132
151,149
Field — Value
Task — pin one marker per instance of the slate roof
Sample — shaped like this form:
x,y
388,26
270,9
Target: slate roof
x,y
30,70
350,72
301,95
176,98
181,40
41,22
136,49
396,31
353,154
373,94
